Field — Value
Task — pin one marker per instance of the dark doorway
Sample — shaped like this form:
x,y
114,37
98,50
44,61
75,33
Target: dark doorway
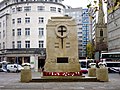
x,y
41,63
26,59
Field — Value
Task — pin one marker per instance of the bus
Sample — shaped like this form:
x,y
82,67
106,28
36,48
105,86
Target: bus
x,y
112,60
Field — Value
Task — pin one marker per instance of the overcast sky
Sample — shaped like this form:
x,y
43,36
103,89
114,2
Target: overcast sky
x,y
75,3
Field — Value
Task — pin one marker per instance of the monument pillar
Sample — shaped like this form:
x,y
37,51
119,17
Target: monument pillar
x,y
62,46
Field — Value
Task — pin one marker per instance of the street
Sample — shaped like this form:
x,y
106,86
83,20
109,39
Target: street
x,y
11,81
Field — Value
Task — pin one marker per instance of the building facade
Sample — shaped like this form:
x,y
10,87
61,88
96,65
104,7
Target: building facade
x,y
85,31
83,25
113,25
23,29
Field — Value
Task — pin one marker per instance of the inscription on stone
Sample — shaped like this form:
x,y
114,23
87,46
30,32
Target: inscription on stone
x,y
62,59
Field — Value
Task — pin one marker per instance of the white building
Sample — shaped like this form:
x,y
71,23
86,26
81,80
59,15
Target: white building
x,y
23,29
92,17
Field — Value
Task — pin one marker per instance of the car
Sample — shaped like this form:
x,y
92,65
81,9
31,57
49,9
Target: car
x,y
84,70
14,68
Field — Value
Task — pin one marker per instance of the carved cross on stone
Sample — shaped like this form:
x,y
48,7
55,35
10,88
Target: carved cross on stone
x,y
62,30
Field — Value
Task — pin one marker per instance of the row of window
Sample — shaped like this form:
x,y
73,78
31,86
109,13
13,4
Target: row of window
x,y
28,20
19,44
27,32
39,8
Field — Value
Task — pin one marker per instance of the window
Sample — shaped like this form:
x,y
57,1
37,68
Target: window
x,y
53,9
22,0
3,33
13,21
27,8
41,31
0,45
101,33
41,44
3,23
0,24
19,9
27,31
41,19
13,32
41,8
18,20
27,20
3,45
51,0
56,0
13,44
13,10
59,9
0,35
18,44
27,44
19,32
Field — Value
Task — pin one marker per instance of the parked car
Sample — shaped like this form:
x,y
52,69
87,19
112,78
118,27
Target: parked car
x,y
14,68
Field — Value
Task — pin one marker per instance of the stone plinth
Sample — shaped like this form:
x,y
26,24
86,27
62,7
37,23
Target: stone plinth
x,y
102,74
62,46
26,75
92,72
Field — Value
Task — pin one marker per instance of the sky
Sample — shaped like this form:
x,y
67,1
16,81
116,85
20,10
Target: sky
x,y
77,3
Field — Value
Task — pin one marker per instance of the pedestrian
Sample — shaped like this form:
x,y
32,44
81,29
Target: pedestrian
x,y
42,69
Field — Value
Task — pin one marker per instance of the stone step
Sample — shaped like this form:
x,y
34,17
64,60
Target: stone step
x,y
90,79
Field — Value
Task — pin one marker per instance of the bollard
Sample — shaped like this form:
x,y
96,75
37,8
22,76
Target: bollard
x,y
102,74
26,75
92,72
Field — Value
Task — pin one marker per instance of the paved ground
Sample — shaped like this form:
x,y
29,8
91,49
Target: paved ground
x,y
11,81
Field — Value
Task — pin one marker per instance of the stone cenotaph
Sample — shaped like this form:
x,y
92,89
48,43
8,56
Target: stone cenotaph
x,y
62,48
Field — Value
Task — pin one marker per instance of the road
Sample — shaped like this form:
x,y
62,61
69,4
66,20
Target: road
x,y
11,81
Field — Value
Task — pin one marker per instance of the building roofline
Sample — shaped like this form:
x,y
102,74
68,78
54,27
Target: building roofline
x,y
32,2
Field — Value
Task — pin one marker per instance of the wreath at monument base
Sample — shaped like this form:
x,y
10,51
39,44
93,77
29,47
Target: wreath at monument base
x,y
62,73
